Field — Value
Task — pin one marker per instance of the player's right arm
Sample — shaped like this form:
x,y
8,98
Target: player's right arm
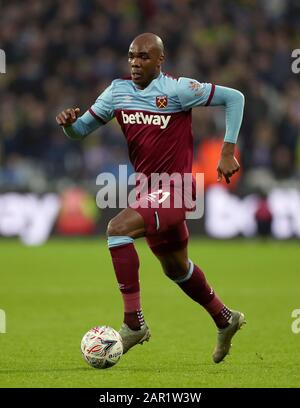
x,y
76,127
100,113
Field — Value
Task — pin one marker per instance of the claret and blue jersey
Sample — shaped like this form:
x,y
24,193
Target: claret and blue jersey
x,y
164,95
156,121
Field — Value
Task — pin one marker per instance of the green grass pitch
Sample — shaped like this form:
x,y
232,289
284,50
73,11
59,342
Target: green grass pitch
x,y
53,294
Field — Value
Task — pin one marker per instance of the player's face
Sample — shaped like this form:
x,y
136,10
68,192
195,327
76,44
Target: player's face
x,y
145,62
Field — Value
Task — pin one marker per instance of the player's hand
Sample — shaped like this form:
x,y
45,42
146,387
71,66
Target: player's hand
x,y
228,164
67,117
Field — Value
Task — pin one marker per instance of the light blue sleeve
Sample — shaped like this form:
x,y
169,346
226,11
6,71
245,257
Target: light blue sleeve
x,y
99,114
192,93
233,101
83,126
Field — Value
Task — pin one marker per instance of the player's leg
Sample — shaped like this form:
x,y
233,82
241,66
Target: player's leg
x,y
189,277
171,250
121,232
129,224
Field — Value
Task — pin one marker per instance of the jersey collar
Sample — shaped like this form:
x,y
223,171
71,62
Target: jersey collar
x,y
150,86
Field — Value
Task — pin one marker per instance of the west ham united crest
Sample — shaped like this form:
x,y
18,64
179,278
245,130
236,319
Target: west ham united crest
x,y
162,101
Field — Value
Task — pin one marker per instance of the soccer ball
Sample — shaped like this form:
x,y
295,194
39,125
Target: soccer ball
x,y
102,347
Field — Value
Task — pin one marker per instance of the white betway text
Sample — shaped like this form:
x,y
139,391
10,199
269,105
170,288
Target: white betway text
x,y
145,119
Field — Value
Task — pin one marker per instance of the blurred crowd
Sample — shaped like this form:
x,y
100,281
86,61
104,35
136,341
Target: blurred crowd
x,y
63,54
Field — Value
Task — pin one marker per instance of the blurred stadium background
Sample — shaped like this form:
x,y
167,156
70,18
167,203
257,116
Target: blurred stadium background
x,y
62,54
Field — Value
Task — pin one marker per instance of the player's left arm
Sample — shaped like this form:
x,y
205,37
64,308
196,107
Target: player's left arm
x,y
192,93
233,101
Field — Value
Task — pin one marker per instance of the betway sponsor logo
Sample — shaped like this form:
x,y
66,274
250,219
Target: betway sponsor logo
x,y
146,119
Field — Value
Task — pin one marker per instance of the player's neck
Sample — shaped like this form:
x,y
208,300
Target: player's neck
x,y
144,86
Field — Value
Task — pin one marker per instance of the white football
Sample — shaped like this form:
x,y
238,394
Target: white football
x,y
102,347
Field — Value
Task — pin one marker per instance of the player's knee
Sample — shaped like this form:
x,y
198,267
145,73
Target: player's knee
x,y
175,270
169,272
116,228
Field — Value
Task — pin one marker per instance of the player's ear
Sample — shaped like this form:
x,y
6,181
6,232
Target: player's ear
x,y
161,59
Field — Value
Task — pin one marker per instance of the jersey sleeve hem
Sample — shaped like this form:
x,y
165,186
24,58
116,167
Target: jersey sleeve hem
x,y
98,118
